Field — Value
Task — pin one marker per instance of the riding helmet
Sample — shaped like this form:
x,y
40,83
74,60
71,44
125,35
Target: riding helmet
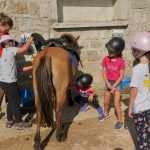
x,y
116,44
84,80
140,44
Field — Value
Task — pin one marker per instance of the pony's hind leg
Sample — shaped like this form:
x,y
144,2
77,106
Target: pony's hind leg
x,y
37,138
60,135
39,116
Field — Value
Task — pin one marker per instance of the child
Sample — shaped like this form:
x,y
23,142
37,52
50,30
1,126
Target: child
x,y
6,24
8,79
113,72
87,93
139,106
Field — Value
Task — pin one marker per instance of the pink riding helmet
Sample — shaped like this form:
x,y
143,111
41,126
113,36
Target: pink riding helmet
x,y
140,44
4,38
7,38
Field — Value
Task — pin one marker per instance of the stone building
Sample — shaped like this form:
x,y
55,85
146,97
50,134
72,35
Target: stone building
x,y
96,21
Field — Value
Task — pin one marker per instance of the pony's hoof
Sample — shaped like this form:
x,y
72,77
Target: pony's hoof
x,y
60,136
64,138
37,147
37,144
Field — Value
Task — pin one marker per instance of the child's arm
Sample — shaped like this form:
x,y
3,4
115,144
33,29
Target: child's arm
x,y
90,98
133,94
105,78
27,68
26,46
119,79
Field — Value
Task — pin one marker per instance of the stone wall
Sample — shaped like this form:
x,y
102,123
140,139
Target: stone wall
x,y
35,16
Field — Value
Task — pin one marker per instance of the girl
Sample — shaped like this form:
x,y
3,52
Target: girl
x,y
6,24
86,94
113,72
139,105
8,79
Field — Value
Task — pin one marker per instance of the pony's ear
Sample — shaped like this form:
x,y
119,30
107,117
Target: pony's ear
x,y
77,38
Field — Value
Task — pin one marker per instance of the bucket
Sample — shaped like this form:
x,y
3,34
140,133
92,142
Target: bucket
x,y
26,97
126,81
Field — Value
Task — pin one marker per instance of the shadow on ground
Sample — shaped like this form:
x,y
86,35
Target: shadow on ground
x,y
129,124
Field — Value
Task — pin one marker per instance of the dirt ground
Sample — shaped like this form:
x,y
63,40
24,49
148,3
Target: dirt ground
x,y
85,132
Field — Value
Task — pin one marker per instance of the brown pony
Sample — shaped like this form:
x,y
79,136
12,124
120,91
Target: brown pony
x,y
53,72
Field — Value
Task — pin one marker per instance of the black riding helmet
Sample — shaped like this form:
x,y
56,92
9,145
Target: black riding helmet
x,y
84,80
116,44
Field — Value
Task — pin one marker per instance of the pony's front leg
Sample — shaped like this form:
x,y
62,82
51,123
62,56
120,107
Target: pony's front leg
x,y
37,138
60,135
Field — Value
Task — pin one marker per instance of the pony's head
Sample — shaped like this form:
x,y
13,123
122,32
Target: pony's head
x,y
39,41
68,38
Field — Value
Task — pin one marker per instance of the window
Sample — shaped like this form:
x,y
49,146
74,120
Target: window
x,y
87,13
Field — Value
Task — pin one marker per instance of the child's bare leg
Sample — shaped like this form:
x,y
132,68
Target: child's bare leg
x,y
117,97
106,102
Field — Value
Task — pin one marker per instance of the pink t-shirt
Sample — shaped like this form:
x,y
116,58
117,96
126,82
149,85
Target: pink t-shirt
x,y
113,68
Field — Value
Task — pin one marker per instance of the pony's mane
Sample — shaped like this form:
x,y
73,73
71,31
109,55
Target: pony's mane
x,y
70,39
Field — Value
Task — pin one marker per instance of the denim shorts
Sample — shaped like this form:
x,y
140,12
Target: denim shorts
x,y
117,88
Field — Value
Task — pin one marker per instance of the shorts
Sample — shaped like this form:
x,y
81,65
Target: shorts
x,y
117,88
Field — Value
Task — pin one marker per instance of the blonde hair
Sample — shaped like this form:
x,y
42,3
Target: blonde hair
x,y
5,20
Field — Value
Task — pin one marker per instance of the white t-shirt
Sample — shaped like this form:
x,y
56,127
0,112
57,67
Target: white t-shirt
x,y
8,71
141,80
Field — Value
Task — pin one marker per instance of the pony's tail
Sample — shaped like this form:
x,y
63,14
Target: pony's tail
x,y
46,90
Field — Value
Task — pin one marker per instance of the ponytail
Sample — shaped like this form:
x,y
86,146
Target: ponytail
x,y
135,62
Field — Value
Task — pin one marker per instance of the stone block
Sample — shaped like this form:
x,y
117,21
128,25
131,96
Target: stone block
x,y
140,4
104,34
95,44
141,18
84,44
44,10
92,56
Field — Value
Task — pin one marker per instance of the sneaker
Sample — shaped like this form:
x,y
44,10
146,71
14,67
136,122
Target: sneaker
x,y
118,125
84,108
101,118
9,124
106,116
22,125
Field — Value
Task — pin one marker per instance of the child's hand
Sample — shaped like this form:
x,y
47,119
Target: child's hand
x,y
30,39
130,113
112,90
90,98
109,86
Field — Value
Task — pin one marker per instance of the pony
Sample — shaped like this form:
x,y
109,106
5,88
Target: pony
x,y
53,72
